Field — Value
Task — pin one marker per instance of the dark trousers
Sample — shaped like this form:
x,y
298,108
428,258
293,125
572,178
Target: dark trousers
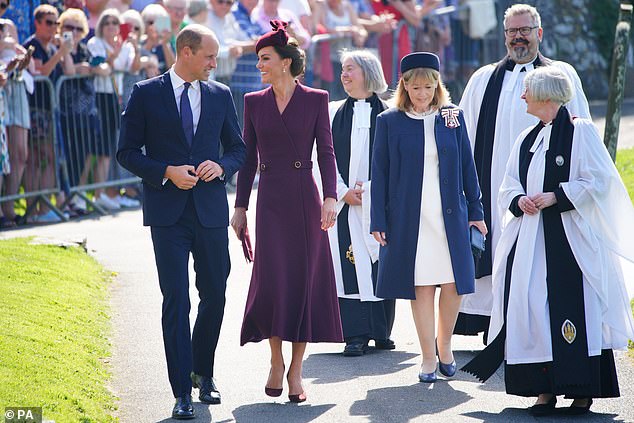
x,y
367,319
209,247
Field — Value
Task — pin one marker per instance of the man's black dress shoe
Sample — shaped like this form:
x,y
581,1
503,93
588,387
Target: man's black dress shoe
x,y
540,410
355,346
208,393
183,408
384,344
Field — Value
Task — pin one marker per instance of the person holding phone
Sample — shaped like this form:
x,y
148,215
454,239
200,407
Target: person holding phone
x,y
157,36
425,196
111,57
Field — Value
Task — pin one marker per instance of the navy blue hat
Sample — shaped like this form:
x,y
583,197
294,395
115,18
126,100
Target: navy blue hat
x,y
420,60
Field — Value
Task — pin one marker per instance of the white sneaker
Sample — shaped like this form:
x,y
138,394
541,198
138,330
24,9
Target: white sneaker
x,y
48,217
127,202
79,203
107,203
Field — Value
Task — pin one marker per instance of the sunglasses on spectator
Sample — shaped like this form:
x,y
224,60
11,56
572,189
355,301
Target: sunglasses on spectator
x,y
4,5
228,2
524,30
106,23
73,28
50,23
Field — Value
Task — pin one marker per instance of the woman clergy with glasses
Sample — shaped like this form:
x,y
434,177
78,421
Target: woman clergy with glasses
x,y
560,304
425,197
355,253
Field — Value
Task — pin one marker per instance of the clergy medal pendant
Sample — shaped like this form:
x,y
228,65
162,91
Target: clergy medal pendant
x,y
559,160
569,331
451,117
350,254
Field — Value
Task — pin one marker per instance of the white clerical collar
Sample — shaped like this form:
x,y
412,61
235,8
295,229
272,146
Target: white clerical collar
x,y
177,81
543,136
517,69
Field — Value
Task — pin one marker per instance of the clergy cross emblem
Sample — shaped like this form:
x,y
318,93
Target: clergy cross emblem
x,y
569,331
350,254
451,117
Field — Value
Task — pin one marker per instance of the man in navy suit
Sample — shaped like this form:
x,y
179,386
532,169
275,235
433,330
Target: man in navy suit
x,y
182,120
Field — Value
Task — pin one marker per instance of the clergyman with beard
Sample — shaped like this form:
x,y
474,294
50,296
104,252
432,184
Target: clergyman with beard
x,y
495,115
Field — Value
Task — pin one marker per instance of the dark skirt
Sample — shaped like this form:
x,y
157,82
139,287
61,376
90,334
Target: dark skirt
x,y
530,380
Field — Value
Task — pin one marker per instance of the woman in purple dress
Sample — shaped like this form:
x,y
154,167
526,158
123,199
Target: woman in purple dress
x,y
292,296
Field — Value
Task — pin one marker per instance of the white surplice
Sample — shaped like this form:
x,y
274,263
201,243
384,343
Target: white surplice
x,y
600,231
510,121
364,246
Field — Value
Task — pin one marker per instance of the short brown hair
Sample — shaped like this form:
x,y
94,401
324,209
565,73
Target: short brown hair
x,y
441,96
192,36
293,51
43,10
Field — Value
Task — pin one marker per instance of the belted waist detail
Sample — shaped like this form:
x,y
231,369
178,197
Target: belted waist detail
x,y
284,164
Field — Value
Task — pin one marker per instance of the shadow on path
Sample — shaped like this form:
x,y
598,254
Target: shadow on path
x,y
403,403
279,412
521,414
334,367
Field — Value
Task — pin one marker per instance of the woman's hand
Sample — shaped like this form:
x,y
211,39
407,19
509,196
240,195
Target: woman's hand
x,y
239,220
544,200
353,196
527,206
380,238
482,227
328,213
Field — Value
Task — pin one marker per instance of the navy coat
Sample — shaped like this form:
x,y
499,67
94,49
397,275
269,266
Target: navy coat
x,y
397,184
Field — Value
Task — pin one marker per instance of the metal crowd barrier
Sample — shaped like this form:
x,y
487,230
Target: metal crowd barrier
x,y
89,123
41,177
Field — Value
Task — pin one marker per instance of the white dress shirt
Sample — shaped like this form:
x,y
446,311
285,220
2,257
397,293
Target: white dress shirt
x,y
178,85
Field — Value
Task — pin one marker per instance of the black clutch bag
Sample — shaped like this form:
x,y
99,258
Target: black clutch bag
x,y
477,241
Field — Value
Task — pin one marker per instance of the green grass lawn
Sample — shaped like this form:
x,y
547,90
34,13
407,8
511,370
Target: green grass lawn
x,y
54,328
625,165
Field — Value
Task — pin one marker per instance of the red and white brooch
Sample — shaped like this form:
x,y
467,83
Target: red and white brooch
x,y
451,117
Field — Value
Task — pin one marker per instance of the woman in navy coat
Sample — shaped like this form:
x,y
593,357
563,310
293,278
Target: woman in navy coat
x,y
425,196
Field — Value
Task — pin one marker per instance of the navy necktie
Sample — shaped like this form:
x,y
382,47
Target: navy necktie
x,y
187,117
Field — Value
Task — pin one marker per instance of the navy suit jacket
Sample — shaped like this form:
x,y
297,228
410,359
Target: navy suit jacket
x,y
151,120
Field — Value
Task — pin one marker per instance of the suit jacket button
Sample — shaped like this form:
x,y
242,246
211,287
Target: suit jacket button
x,y
445,181
191,158
449,211
444,150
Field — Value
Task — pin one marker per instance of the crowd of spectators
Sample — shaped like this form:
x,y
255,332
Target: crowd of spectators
x,y
112,44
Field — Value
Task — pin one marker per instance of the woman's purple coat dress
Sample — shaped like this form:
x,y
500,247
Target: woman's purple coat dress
x,y
292,293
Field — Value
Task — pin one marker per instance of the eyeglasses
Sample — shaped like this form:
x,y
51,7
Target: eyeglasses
x,y
4,5
524,30
50,23
228,2
106,23
73,28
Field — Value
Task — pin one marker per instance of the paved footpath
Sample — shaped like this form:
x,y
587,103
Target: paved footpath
x,y
379,387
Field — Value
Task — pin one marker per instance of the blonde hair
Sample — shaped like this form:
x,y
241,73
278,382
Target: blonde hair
x,y
108,13
75,15
441,95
